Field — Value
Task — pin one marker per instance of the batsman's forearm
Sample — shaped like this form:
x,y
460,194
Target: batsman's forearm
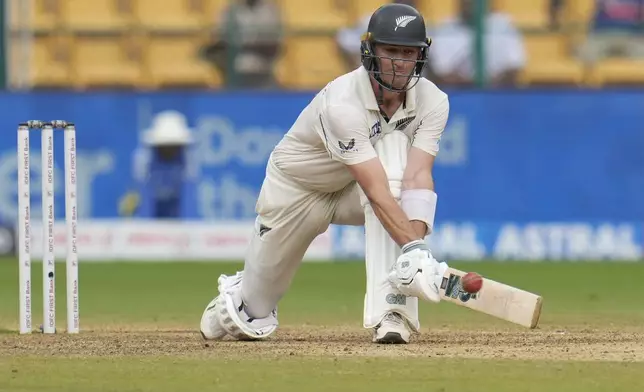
x,y
395,221
420,228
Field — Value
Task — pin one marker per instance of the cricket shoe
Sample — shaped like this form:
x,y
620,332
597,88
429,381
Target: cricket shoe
x,y
392,329
226,315
210,327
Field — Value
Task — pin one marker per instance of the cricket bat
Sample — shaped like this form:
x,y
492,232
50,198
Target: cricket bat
x,y
495,299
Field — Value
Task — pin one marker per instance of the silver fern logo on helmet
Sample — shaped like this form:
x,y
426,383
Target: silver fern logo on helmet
x,y
403,21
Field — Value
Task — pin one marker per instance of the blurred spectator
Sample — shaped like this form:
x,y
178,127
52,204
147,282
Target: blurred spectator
x,y
617,30
249,40
162,171
348,38
453,50
556,14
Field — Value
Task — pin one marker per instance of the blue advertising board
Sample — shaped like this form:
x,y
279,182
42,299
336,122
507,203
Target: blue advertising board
x,y
512,156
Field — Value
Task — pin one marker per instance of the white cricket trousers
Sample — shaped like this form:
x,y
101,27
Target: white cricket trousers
x,y
289,218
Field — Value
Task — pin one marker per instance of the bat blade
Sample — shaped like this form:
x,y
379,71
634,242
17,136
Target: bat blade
x,y
495,299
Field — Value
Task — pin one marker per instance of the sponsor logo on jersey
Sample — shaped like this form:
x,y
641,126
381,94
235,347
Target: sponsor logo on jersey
x,y
347,147
376,130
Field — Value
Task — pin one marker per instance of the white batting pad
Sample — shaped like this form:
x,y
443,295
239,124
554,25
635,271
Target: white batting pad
x,y
381,251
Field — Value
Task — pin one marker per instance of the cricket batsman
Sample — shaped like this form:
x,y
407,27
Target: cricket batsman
x,y
361,153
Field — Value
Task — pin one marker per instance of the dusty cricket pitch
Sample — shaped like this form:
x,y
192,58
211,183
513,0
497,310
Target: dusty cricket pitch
x,y
139,333
553,343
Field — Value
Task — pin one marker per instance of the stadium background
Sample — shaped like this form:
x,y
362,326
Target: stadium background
x,y
548,169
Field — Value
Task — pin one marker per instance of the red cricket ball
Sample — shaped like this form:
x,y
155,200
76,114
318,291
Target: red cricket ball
x,y
472,282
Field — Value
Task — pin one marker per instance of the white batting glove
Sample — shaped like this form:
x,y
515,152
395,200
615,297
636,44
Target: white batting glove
x,y
416,273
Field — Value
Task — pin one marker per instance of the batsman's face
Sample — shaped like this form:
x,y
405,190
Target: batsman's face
x,y
397,63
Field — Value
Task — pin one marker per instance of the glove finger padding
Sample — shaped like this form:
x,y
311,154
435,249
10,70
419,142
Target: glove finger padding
x,y
416,274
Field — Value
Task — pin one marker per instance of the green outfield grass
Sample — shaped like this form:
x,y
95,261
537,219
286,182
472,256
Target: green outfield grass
x,y
139,323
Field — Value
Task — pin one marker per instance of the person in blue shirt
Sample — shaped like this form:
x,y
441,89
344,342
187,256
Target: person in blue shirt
x,y
616,30
163,171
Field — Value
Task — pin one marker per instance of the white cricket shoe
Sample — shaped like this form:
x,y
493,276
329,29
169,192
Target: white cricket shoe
x,y
226,315
210,327
392,329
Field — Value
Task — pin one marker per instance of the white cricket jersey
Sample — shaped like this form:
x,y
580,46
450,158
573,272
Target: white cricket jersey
x,y
342,123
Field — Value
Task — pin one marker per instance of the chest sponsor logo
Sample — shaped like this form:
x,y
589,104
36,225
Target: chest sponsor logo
x,y
376,130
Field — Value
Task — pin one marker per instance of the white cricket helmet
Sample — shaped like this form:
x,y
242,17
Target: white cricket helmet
x,y
168,128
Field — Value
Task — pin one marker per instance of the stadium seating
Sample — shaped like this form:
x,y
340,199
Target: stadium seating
x,y
148,43
616,72
578,13
50,65
96,15
436,11
171,61
526,14
173,14
549,61
576,17
299,68
362,8
106,60
214,9
315,15
43,15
